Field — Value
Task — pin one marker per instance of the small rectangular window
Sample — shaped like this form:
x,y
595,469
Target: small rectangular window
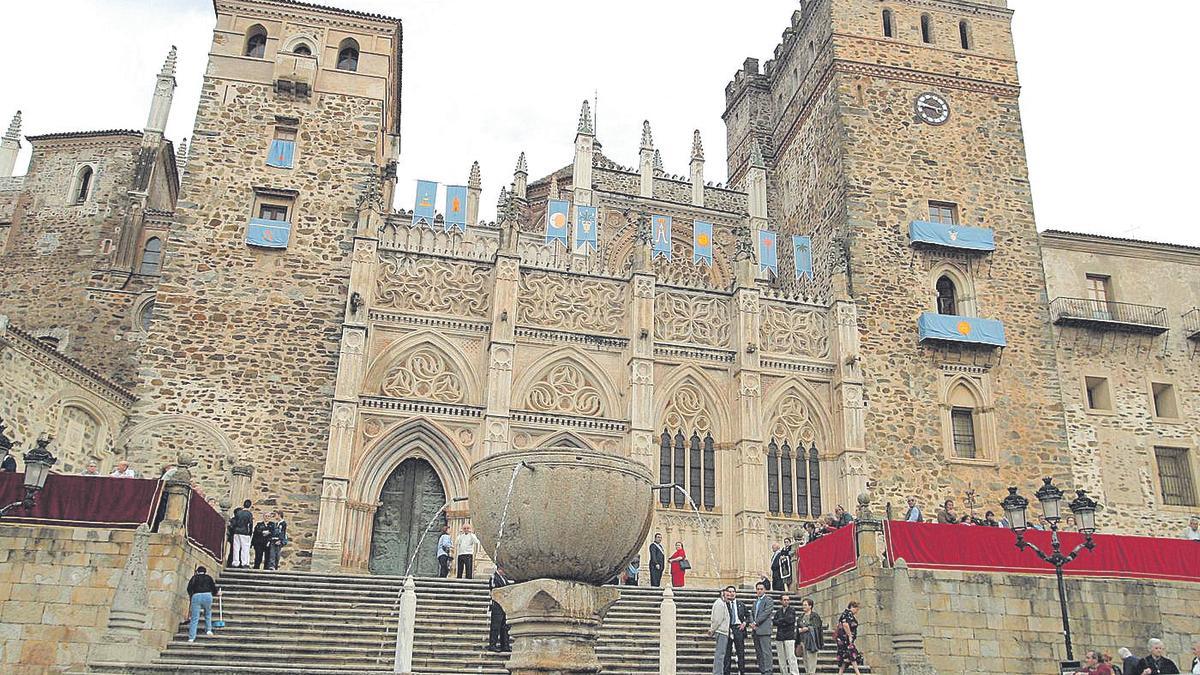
x,y
282,152
926,29
1164,401
1099,295
964,34
945,213
1098,397
273,212
1175,476
962,422
887,23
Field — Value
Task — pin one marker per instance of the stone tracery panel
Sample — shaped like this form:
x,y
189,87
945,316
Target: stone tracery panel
x,y
432,285
566,388
692,319
426,374
793,330
794,421
570,303
687,410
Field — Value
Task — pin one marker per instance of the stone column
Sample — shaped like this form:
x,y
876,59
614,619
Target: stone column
x,y
697,170
849,408
641,367
867,529
124,640
908,640
239,484
406,628
554,625
667,646
749,493
177,492
501,351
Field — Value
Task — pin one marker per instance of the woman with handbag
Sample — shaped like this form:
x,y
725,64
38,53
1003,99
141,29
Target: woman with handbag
x,y
679,565
810,634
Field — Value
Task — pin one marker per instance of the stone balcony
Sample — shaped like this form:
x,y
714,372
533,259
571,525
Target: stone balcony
x,y
1107,315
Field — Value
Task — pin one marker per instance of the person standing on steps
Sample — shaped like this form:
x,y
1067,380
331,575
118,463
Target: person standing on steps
x,y
277,540
242,526
810,636
260,540
739,618
781,566
785,636
679,565
444,546
498,640
720,626
760,627
658,559
201,588
465,547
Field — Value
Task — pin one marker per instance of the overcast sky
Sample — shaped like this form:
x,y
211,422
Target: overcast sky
x,y
1111,134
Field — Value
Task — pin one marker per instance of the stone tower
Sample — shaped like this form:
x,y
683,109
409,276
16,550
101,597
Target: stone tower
x,y
913,185
298,119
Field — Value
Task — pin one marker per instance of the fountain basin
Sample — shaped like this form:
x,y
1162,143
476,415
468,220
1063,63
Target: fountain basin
x,y
575,515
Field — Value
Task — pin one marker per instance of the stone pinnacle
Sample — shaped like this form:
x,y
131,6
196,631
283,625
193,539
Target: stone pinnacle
x,y
168,68
585,119
697,147
14,128
647,137
475,180
521,167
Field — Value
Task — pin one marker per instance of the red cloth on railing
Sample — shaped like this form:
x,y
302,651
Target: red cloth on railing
x,y
993,549
205,527
84,501
826,557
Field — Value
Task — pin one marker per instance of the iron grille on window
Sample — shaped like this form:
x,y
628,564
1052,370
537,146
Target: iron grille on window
x,y
1175,477
793,480
962,422
691,463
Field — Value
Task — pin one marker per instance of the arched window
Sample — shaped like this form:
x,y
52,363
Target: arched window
x,y
691,463
302,49
256,42
964,34
83,184
348,55
887,23
151,256
947,301
926,29
146,316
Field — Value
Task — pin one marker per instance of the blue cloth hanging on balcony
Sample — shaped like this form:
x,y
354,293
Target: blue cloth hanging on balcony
x,y
268,233
951,236
953,328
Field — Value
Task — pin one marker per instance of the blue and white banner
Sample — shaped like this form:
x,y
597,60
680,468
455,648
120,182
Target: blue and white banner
x,y
585,229
952,236
456,208
768,252
802,256
281,154
702,245
423,208
268,233
556,221
953,328
661,236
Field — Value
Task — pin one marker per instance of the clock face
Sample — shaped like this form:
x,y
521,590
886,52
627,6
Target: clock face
x,y
932,108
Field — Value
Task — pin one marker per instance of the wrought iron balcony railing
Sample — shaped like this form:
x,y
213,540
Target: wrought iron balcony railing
x,y
1191,324
1108,315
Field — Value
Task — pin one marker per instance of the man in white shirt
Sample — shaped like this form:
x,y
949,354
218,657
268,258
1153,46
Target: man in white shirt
x,y
1192,531
465,547
720,626
123,471
913,515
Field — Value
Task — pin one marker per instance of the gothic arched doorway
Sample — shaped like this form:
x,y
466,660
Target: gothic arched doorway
x,y
410,498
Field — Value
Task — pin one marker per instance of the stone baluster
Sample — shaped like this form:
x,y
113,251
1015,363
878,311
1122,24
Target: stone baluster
x,y
908,642
668,633
867,528
239,486
177,492
406,628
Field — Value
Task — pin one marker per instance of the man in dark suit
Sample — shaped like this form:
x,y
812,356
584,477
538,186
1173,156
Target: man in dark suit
x,y
498,640
658,560
738,622
760,626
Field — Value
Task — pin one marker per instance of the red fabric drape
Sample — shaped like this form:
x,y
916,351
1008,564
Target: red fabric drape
x,y
826,557
205,527
993,549
84,501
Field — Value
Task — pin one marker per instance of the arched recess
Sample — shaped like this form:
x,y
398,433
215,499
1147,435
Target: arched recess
x,y
963,285
436,367
794,397
300,42
77,443
566,381
159,440
974,396
694,381
419,438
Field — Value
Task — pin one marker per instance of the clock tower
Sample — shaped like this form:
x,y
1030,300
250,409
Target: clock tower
x,y
892,136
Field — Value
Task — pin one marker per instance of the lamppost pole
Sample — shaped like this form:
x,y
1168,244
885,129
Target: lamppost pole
x,y
1051,499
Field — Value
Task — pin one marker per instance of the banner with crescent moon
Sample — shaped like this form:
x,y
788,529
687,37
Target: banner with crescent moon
x,y
702,245
456,208
556,221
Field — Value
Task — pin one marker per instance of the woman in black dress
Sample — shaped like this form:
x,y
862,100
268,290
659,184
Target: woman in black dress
x,y
847,632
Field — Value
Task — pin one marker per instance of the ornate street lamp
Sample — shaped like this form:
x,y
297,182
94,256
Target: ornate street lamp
x,y
37,467
1051,498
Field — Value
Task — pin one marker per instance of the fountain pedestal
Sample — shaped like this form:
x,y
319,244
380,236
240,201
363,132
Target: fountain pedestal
x,y
553,624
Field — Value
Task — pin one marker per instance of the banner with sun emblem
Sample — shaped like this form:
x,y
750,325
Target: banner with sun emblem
x,y
802,256
423,208
585,229
456,208
661,234
768,253
556,221
702,246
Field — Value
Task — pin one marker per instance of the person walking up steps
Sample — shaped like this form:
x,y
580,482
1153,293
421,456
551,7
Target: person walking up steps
x,y
201,589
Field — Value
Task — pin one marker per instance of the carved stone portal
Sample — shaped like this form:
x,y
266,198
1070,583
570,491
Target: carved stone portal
x,y
410,498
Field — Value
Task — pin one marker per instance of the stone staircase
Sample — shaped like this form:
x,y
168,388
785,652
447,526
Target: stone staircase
x,y
292,622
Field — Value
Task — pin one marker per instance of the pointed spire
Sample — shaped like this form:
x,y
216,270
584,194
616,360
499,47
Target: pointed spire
x,y
697,146
168,68
475,181
756,158
181,155
553,193
658,163
14,128
502,205
585,119
521,167
647,137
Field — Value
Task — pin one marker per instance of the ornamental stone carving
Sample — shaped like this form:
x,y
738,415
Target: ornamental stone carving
x,y
507,269
687,410
800,332
433,286
425,374
566,389
793,421
571,303
692,319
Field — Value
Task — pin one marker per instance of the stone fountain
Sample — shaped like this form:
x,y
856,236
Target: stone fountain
x,y
574,519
